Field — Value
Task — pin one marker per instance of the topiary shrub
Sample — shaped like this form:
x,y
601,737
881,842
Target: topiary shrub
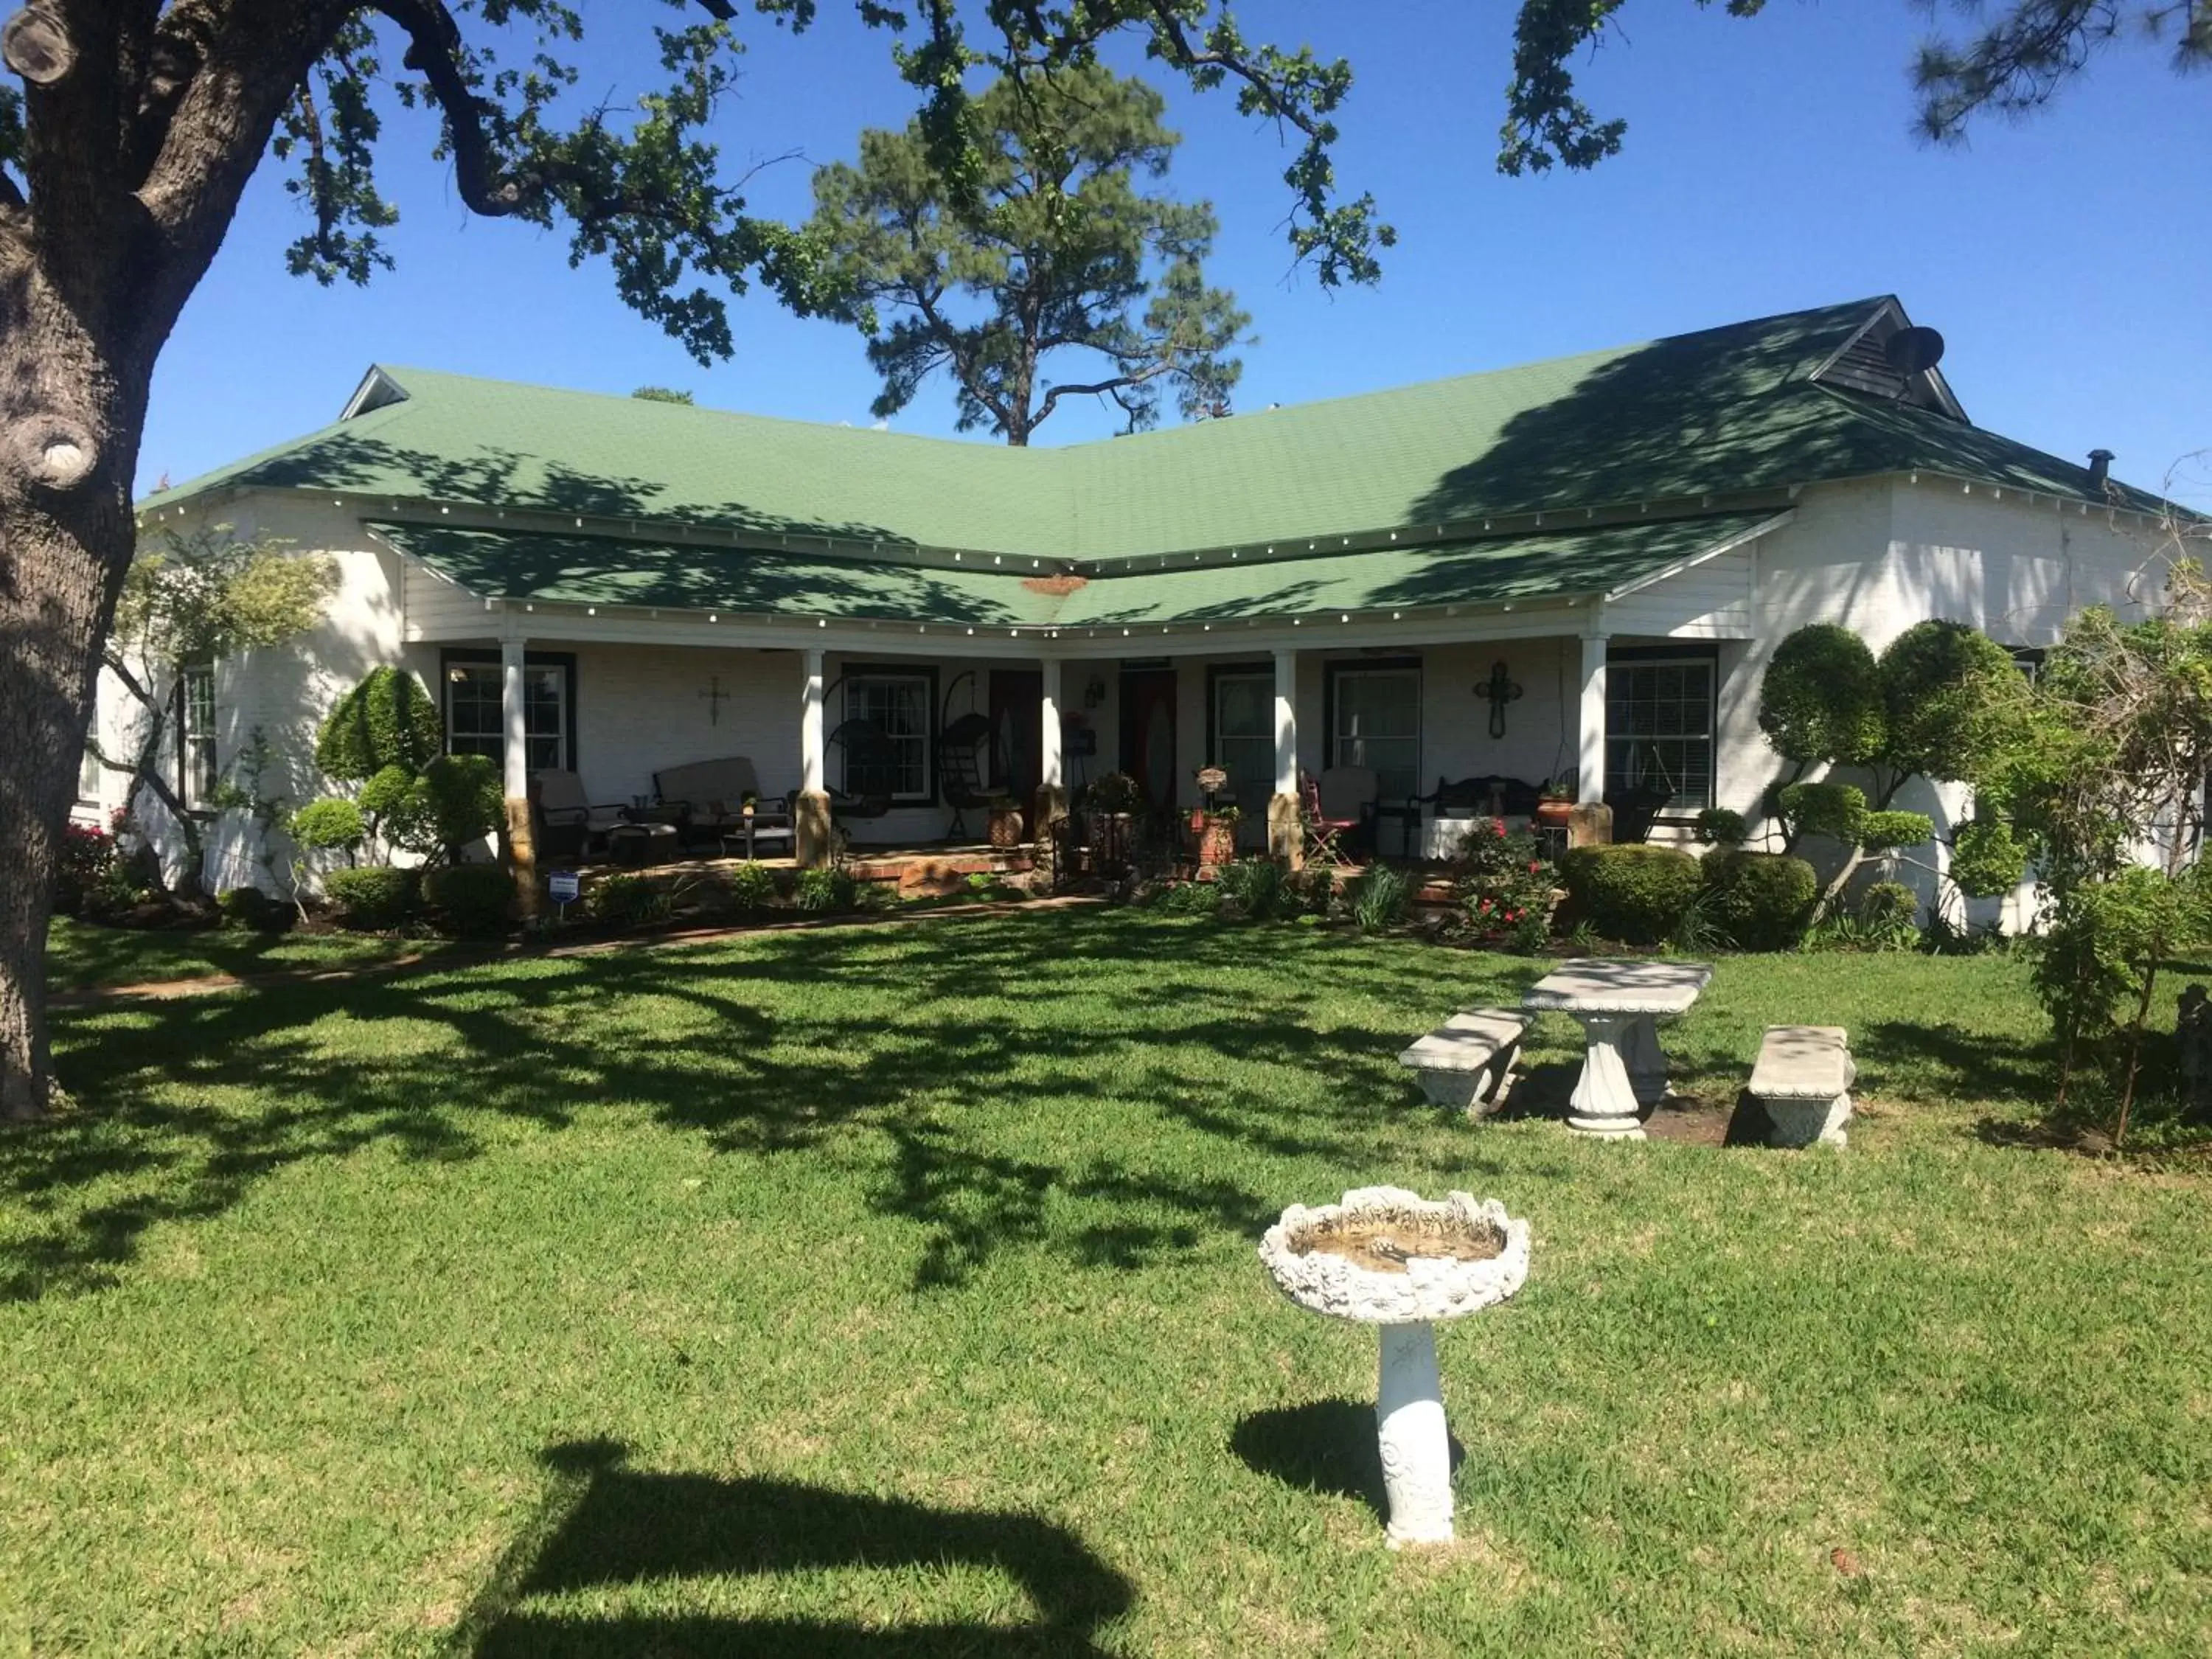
x,y
823,891
1760,901
1885,903
752,888
1883,832
468,900
1636,894
374,900
251,910
329,825
387,720
1721,826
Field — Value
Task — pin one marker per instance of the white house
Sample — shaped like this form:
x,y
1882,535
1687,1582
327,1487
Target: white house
x,y
1570,570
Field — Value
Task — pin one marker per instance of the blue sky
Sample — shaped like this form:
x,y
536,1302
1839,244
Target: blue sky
x,y
1769,165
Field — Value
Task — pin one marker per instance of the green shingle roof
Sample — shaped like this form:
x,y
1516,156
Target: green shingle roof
x,y
1722,411
584,569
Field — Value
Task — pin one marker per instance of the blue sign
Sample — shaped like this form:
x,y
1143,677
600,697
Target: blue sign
x,y
561,886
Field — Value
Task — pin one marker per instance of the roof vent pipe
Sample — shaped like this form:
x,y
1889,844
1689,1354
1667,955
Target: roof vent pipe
x,y
2100,468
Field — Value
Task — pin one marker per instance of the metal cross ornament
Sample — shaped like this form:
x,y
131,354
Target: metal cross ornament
x,y
714,695
1498,690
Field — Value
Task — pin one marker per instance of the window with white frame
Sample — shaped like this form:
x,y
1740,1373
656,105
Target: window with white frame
x,y
1659,728
88,768
196,756
1244,732
900,705
1375,721
475,722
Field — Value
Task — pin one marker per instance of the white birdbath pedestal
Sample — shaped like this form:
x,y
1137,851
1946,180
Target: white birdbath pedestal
x,y
1392,1259
1620,1004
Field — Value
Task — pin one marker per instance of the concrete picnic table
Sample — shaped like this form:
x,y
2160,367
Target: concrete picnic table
x,y
1620,1004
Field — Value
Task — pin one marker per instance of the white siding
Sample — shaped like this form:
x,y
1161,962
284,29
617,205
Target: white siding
x,y
1709,601
433,608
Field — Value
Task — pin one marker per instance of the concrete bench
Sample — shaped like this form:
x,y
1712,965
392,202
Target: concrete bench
x,y
1803,1080
1467,1061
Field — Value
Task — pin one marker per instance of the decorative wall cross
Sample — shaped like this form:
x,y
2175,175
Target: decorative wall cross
x,y
714,695
1498,690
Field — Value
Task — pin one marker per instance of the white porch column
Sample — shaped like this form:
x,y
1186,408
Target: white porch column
x,y
1051,803
1591,753
1284,840
521,837
811,821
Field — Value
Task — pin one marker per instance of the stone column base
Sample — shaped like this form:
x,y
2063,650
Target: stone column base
x,y
522,855
1287,831
810,829
1049,807
1590,825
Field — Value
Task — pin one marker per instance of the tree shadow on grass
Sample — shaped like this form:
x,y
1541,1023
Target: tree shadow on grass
x,y
933,1038
1325,1446
602,1526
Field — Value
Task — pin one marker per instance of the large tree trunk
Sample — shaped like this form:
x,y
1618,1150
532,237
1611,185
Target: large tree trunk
x,y
70,425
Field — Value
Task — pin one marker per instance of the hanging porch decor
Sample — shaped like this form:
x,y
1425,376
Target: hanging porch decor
x,y
1498,690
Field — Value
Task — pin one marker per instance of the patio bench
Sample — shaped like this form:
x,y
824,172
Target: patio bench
x,y
1803,1080
1467,1061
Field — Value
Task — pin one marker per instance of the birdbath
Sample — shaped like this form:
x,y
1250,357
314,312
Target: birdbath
x,y
1392,1259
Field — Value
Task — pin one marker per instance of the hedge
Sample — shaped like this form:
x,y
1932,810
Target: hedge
x,y
376,899
468,899
1760,901
1636,893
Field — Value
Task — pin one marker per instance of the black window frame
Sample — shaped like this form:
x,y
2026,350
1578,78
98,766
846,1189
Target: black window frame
x,y
1703,653
463,657
1215,673
932,792
1336,667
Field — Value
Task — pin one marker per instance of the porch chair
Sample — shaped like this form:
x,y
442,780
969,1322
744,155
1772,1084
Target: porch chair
x,y
568,820
1324,836
1353,792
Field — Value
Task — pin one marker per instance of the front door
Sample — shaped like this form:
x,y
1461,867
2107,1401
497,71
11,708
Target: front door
x,y
1017,733
1148,732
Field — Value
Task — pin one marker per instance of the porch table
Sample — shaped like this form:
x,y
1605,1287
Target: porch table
x,y
1619,1005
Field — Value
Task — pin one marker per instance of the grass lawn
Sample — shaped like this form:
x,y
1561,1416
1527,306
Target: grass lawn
x,y
893,1290
81,954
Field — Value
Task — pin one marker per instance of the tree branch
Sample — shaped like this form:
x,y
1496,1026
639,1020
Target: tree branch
x,y
1098,388
434,50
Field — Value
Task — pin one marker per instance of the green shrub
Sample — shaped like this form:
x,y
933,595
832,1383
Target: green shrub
x,y
84,870
1381,898
456,800
1636,893
329,825
1719,826
1836,809
376,899
1889,902
1758,900
625,900
1188,898
1505,883
1879,832
1257,890
823,891
1310,891
251,909
752,888
387,720
1987,861
1821,697
470,900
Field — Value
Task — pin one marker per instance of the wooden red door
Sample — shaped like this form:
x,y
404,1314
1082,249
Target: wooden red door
x,y
1148,732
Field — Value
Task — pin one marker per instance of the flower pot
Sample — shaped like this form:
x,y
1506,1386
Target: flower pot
x,y
1005,826
1216,841
1555,814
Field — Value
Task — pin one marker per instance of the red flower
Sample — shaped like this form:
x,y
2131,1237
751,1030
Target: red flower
x,y
1534,867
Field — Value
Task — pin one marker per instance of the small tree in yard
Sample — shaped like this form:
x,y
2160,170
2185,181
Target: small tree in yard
x,y
193,599
385,737
1938,704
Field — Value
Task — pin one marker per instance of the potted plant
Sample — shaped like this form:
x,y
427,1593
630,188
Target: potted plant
x,y
1555,802
1003,828
1110,805
1213,826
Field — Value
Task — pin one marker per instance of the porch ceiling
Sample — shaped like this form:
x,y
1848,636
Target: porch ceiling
x,y
556,568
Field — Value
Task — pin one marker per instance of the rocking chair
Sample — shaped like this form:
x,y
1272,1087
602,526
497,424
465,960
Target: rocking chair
x,y
872,769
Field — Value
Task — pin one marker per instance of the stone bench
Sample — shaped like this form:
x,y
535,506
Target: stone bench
x,y
1803,1080
1467,1061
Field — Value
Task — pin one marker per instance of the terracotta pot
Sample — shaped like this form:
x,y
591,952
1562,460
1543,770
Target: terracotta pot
x,y
1555,814
1216,841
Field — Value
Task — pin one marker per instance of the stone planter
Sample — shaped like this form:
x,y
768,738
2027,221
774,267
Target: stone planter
x,y
1004,826
1216,840
1389,1258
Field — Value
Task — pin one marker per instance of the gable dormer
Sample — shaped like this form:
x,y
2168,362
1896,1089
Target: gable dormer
x,y
1890,360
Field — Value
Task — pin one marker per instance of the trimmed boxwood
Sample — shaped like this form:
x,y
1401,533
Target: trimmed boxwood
x,y
374,900
470,900
1636,893
1760,901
